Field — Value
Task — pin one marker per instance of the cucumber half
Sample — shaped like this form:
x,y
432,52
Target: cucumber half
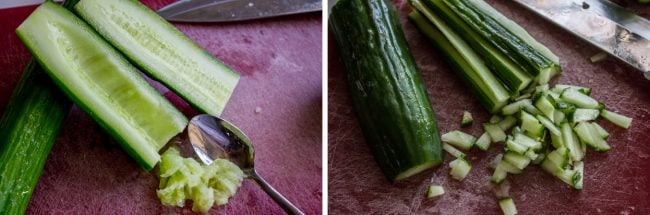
x,y
162,51
98,79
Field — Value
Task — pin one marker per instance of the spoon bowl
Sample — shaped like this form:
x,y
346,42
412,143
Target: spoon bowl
x,y
214,138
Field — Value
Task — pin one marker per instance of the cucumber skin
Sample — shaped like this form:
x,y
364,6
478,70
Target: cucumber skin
x,y
28,129
387,91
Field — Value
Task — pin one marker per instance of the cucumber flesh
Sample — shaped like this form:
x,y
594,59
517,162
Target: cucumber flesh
x,y
496,133
570,141
517,160
579,99
507,206
467,119
515,107
590,136
513,146
549,125
601,131
531,125
582,114
459,139
162,51
452,151
435,190
483,142
459,169
507,123
617,119
101,82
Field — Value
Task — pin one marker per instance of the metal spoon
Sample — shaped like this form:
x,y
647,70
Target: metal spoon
x,y
212,137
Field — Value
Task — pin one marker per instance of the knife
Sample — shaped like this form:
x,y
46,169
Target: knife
x,y
235,10
602,23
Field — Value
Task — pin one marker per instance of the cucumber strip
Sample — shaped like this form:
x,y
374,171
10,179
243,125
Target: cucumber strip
x,y
484,21
28,129
496,133
459,139
558,88
435,190
559,157
499,175
162,51
459,169
452,151
507,206
523,96
569,176
549,125
507,123
601,131
617,119
101,82
468,64
590,136
538,160
579,99
531,125
532,155
517,160
386,87
580,169
556,140
483,142
565,107
467,119
570,142
505,69
582,114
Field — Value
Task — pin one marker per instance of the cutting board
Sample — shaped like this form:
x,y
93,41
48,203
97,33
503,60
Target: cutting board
x,y
280,63
617,182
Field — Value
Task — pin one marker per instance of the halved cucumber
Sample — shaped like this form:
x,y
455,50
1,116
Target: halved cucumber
x,y
162,51
98,79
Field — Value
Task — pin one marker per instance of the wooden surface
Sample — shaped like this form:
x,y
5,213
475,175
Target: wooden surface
x,y
616,182
280,63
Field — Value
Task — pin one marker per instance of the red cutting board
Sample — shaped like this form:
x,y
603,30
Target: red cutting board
x,y
617,182
280,63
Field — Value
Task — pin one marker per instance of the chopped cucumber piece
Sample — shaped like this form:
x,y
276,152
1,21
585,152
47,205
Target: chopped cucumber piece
x,y
541,88
590,136
559,117
495,119
532,155
496,133
538,160
582,114
435,190
556,140
519,161
531,125
579,99
617,119
515,107
561,87
459,168
483,141
601,131
569,176
549,125
527,141
559,157
467,119
507,122
452,151
508,206
508,167
545,104
565,107
499,175
513,146
580,169
570,142
459,139
523,96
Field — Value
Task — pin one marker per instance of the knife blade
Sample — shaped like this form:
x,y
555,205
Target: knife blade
x,y
602,23
235,10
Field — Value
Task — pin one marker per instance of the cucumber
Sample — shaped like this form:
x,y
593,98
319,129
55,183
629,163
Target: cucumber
x,y
506,70
98,79
507,37
162,51
496,133
507,123
601,131
484,85
571,142
517,160
483,142
582,114
589,135
617,119
579,99
28,129
459,139
531,125
452,151
387,90
435,190
467,119
549,125
507,206
459,168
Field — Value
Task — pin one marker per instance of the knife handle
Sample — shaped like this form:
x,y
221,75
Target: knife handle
x,y
288,207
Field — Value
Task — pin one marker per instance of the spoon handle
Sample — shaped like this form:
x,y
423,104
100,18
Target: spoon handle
x,y
279,198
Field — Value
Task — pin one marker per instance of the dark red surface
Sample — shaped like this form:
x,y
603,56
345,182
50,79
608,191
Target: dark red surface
x,y
617,182
280,62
